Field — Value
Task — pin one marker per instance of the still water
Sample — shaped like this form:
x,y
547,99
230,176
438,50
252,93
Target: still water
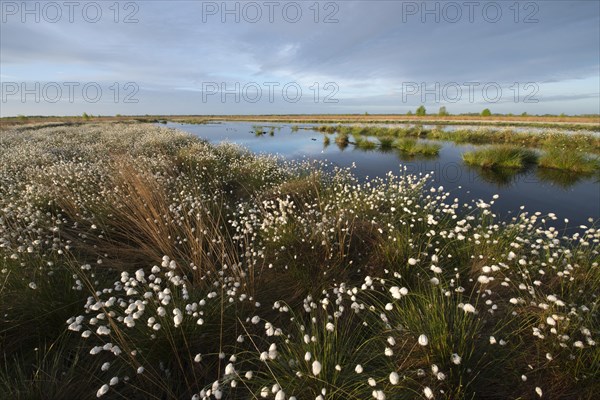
x,y
574,197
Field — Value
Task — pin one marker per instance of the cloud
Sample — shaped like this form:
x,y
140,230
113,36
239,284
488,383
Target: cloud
x,y
373,49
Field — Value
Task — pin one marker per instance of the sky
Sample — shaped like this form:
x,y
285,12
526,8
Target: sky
x,y
285,57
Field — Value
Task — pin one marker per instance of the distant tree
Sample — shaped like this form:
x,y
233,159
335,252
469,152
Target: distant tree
x,y
21,117
443,112
409,112
562,115
366,113
421,111
486,113
85,115
524,114
118,115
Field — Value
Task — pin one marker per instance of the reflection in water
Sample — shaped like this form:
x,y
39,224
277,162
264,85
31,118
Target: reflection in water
x,y
386,150
564,179
567,178
502,177
408,157
544,190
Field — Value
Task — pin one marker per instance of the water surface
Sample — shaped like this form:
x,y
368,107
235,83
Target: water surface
x,y
574,197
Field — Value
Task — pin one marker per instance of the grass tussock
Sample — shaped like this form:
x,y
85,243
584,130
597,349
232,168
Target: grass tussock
x,y
501,157
342,141
139,262
386,142
571,161
551,138
412,147
365,144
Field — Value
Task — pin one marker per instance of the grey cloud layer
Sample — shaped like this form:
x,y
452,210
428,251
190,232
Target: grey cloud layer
x,y
369,53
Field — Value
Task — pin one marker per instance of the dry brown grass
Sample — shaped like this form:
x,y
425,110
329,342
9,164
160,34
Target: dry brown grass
x,y
593,121
140,227
402,117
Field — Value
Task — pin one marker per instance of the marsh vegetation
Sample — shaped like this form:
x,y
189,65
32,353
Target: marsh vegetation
x,y
509,136
576,153
141,262
501,157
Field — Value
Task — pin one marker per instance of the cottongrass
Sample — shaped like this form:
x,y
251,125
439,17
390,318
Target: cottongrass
x,y
168,268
